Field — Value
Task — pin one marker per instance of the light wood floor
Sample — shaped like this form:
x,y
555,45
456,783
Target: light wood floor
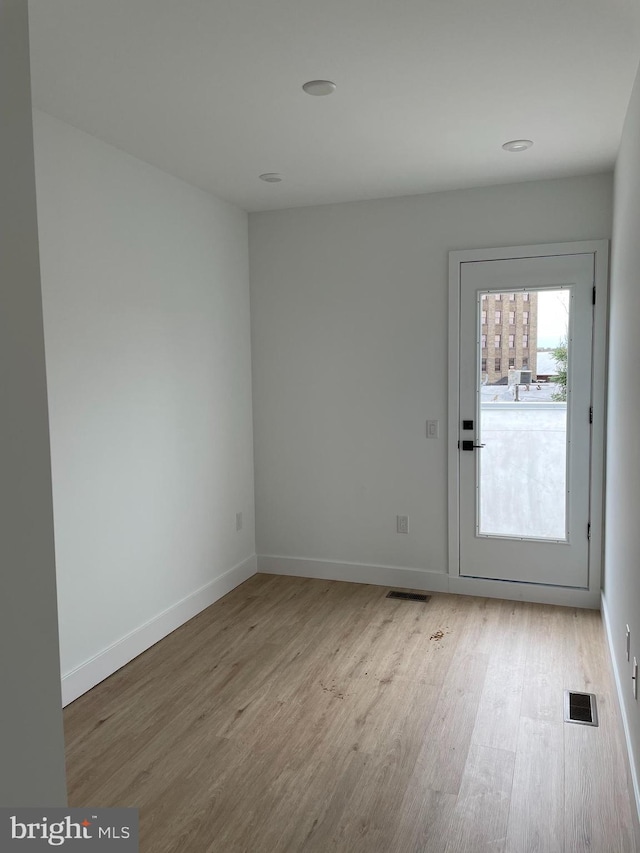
x,y
303,715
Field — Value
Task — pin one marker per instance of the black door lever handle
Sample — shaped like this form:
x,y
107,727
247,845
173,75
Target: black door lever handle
x,y
469,445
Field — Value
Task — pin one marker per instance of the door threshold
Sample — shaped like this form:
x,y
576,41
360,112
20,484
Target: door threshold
x,y
526,583
522,591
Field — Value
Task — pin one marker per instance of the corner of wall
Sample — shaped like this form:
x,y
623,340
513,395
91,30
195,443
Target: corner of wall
x,y
631,759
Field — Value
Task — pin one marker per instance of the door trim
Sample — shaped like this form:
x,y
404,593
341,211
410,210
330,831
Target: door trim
x,y
475,586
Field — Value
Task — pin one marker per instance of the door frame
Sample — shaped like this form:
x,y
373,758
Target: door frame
x,y
512,589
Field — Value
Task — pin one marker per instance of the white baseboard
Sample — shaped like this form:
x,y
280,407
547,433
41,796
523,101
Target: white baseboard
x,y
625,722
424,579
111,659
354,572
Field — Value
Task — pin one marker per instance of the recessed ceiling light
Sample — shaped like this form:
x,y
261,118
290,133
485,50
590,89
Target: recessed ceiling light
x,y
271,177
319,87
517,145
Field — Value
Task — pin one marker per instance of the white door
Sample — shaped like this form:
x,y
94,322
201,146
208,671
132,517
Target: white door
x,y
525,375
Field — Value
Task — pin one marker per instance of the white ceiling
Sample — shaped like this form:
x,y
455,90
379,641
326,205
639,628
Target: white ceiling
x,y
428,90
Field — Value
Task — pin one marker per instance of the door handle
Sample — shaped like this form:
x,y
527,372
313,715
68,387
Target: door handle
x,y
469,445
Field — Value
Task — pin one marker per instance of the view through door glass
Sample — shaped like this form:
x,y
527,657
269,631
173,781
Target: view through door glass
x,y
523,356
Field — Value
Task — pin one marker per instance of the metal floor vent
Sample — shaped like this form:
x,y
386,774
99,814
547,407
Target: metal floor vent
x,y
580,708
408,596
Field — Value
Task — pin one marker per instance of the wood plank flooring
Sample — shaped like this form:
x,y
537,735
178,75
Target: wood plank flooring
x,y
307,715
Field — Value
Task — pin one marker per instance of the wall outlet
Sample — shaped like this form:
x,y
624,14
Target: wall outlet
x,y
238,521
433,429
402,523
628,641
634,678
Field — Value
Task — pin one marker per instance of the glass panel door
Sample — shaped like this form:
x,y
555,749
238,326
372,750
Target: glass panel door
x,y
526,328
523,358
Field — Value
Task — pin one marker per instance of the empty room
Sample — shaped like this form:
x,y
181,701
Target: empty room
x,y
319,337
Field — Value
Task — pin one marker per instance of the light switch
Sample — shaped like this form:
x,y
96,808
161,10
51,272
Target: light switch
x,y
433,429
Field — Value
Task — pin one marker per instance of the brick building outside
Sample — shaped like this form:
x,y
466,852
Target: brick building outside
x,y
509,334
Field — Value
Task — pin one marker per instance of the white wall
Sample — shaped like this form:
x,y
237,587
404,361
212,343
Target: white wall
x,y
31,742
622,551
146,312
349,340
